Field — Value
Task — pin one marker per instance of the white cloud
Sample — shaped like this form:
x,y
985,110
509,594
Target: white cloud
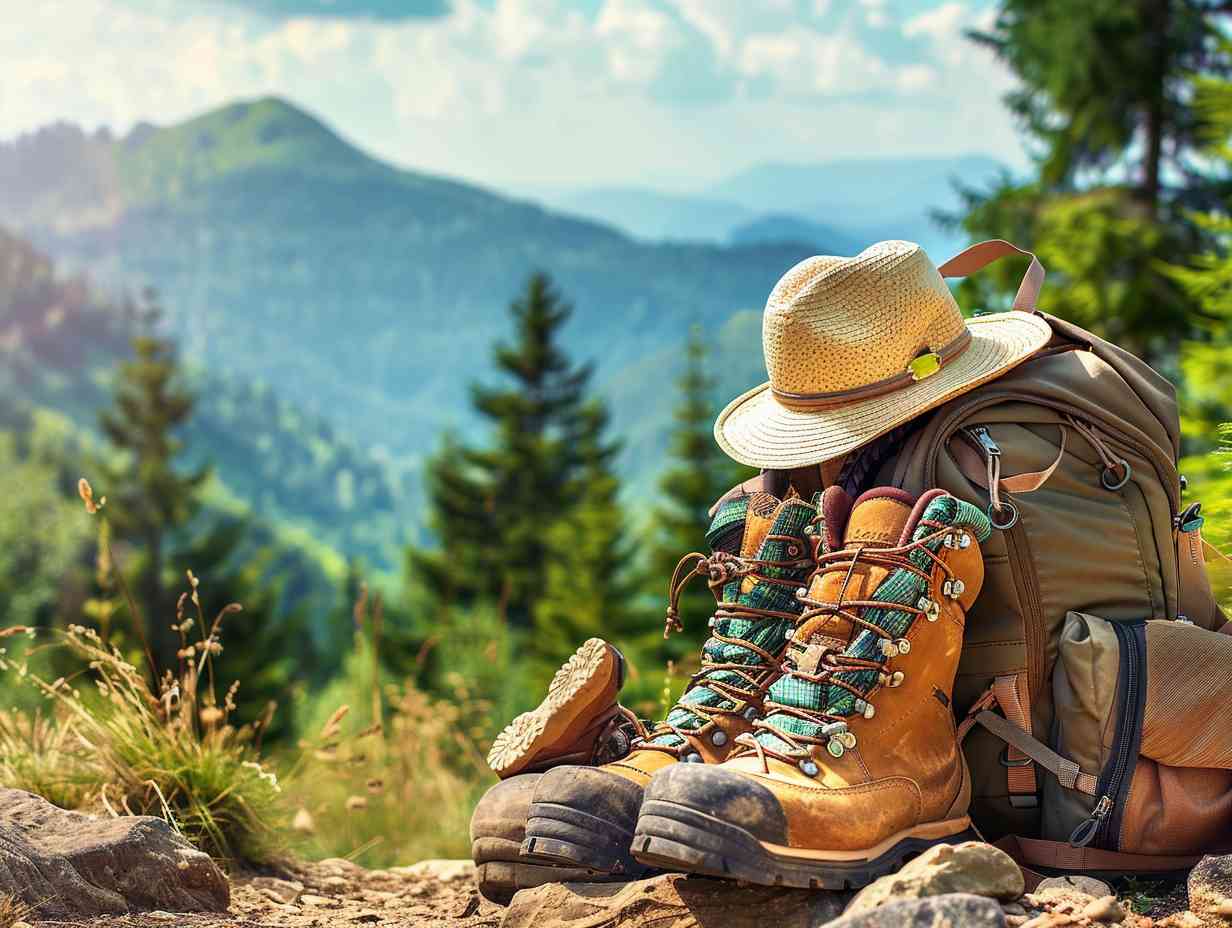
x,y
533,91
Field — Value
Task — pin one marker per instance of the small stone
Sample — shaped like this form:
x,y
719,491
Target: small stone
x,y
1210,887
1105,909
1180,920
318,901
1049,920
1083,884
304,823
340,863
336,883
443,871
944,911
1013,908
367,917
972,868
276,889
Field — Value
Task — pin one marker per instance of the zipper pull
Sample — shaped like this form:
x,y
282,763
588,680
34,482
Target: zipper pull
x,y
981,434
1084,834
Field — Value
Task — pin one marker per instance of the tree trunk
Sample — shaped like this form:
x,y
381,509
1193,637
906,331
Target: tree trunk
x,y
1157,18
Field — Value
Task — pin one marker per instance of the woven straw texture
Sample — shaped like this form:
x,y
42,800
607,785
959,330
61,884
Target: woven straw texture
x,y
901,586
836,324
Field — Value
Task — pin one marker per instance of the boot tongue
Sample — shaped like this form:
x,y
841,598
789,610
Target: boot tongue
x,y
876,520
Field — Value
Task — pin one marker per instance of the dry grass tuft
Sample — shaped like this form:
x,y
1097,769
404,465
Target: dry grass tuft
x,y
12,911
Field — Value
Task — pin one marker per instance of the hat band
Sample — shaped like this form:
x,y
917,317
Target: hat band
x,y
943,355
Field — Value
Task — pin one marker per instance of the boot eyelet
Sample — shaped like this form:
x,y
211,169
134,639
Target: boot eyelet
x,y
719,738
930,607
801,592
751,714
693,758
809,768
903,645
793,550
835,747
848,739
953,588
865,708
889,648
896,679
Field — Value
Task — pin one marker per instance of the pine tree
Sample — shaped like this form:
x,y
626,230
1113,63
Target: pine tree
x,y
587,586
1106,100
490,508
698,475
151,498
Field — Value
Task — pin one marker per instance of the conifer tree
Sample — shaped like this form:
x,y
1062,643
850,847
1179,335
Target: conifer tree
x,y
1106,101
587,586
699,473
491,507
151,497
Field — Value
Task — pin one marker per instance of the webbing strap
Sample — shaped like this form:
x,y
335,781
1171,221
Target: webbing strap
x,y
1015,702
982,254
1068,773
1059,855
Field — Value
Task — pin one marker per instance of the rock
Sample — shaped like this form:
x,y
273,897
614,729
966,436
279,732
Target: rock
x,y
973,867
1105,909
285,891
1087,885
951,910
67,864
1210,889
671,899
1184,919
443,871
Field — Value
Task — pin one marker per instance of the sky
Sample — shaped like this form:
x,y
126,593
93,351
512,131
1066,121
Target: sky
x,y
533,94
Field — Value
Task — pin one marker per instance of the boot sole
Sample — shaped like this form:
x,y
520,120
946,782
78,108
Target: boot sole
x,y
568,837
500,871
523,739
671,836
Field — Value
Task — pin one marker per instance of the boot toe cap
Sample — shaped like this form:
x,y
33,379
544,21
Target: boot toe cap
x,y
726,795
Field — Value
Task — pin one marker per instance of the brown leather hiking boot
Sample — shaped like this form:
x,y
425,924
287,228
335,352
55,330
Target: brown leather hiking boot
x,y
584,816
578,722
856,765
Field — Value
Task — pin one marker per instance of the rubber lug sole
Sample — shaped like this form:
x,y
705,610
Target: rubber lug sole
x,y
671,836
564,836
523,738
500,871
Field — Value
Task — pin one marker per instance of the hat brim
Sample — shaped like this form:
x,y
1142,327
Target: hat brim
x,y
756,429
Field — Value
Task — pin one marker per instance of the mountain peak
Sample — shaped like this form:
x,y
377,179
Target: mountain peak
x,y
262,134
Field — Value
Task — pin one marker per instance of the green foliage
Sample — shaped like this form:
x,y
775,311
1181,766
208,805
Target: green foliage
x,y
588,589
172,752
38,569
492,508
1104,76
1107,100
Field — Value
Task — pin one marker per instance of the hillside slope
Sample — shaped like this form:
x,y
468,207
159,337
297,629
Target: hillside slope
x,y
360,293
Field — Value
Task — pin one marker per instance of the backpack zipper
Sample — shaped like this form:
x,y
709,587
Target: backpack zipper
x,y
1103,826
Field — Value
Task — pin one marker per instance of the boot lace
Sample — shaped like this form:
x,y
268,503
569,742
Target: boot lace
x,y
733,681
824,686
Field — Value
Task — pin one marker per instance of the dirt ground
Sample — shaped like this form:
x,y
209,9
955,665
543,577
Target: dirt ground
x,y
334,893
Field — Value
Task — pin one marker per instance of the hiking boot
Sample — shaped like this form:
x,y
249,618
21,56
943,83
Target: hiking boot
x,y
856,765
585,816
578,722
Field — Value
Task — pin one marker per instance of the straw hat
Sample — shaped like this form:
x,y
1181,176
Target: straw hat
x,y
857,346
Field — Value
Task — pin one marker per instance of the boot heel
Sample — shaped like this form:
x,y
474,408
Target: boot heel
x,y
562,835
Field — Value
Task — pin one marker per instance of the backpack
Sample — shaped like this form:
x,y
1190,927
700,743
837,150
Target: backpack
x,y
1074,455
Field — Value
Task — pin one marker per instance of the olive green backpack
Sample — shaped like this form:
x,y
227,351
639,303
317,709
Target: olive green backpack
x,y
1074,455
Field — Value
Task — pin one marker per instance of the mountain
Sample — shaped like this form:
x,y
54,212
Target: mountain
x,y
781,228
848,203
654,216
59,348
358,295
